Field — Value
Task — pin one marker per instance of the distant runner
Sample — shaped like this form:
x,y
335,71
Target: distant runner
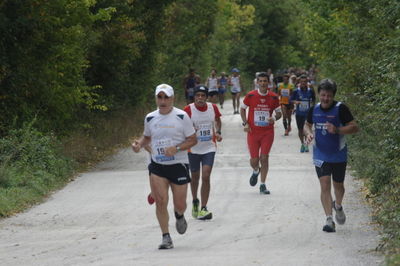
x,y
236,87
285,90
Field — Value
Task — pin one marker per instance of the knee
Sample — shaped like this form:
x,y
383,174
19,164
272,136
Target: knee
x,y
161,201
264,159
205,178
180,206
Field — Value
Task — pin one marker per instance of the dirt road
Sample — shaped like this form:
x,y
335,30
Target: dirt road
x,y
103,218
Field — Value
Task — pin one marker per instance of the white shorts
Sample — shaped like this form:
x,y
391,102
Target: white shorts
x,y
235,90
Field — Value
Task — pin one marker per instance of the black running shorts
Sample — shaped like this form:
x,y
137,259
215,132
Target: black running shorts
x,y
175,173
336,170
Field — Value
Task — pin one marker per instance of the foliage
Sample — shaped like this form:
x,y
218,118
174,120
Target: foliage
x,y
31,164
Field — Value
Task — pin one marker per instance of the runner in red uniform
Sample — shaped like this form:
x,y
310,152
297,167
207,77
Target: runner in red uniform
x,y
259,125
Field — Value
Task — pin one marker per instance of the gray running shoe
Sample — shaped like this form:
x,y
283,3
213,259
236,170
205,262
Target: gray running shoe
x,y
329,227
181,225
254,178
340,217
264,190
166,243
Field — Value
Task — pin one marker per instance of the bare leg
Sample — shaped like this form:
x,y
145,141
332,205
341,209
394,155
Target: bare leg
x,y
179,193
194,184
264,167
205,184
159,188
326,197
339,192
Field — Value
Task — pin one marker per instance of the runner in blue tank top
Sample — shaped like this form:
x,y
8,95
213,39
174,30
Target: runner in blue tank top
x,y
304,98
332,120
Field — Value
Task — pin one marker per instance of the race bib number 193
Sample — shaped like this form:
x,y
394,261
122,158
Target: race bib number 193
x,y
159,149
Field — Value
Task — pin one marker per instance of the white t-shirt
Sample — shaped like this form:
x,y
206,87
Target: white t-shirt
x,y
166,131
212,84
204,125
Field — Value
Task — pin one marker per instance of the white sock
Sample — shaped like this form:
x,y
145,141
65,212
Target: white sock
x,y
329,217
337,206
256,172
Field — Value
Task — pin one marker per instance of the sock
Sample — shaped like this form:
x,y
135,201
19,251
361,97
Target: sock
x,y
262,184
337,206
329,217
256,172
285,123
177,216
204,207
166,234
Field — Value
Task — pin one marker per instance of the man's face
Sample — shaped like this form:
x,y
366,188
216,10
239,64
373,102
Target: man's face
x,y
303,83
200,98
285,79
163,101
326,98
262,82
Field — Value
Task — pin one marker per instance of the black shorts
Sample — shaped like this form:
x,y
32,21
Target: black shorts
x,y
300,120
175,173
212,93
336,170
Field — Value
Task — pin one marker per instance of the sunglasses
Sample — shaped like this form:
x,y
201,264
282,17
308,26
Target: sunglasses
x,y
162,97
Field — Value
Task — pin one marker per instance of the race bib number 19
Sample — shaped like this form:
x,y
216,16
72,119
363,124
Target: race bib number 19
x,y
159,149
261,118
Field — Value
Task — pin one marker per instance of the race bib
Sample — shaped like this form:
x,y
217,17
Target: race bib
x,y
159,147
304,106
318,163
204,132
261,118
285,93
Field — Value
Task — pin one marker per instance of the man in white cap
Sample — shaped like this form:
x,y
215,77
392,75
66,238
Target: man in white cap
x,y
170,133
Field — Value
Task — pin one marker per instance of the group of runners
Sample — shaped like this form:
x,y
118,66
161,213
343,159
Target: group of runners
x,y
217,87
183,142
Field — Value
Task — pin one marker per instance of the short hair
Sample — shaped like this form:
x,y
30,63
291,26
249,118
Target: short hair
x,y
286,75
263,75
327,85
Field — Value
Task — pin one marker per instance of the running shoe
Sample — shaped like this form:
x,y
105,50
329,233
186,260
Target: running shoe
x,y
286,132
204,214
264,190
181,225
306,148
329,227
302,148
150,199
254,178
166,242
340,217
195,208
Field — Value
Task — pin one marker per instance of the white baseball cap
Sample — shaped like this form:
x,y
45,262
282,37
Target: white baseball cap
x,y
167,89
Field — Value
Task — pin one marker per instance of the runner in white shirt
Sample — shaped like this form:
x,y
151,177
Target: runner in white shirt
x,y
171,133
236,87
207,122
212,84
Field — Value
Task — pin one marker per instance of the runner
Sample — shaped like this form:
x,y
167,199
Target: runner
x,y
255,82
212,84
332,120
304,98
170,132
207,122
222,85
284,91
236,87
271,83
189,82
259,125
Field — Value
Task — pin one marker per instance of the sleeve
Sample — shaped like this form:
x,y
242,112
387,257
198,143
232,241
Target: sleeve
x,y
310,115
246,101
147,131
216,111
344,114
188,126
188,110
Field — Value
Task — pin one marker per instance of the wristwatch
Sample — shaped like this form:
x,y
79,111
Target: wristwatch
x,y
244,123
177,148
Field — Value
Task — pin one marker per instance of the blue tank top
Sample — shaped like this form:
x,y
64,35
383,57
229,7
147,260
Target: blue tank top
x,y
305,98
328,147
223,81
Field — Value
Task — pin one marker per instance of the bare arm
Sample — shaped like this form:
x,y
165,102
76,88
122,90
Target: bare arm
x,y
140,143
187,144
218,125
308,132
349,128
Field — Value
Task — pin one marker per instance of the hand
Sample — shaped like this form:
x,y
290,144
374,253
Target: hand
x,y
218,137
136,146
170,151
247,128
309,138
271,120
330,128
